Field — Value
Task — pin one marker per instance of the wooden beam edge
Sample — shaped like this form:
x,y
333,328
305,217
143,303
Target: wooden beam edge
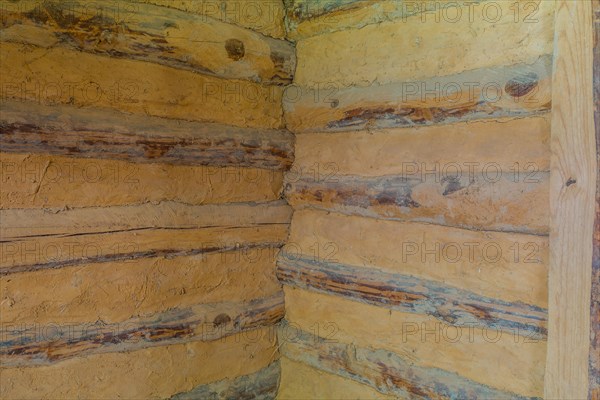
x,y
451,305
572,199
27,127
263,384
26,345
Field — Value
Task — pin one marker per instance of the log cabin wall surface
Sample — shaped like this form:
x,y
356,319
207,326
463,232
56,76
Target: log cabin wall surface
x,y
417,263
142,154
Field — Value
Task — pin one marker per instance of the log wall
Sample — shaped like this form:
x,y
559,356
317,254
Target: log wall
x,y
142,154
417,263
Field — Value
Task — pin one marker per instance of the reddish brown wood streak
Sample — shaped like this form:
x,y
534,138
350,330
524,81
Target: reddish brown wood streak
x,y
425,115
386,371
133,139
393,197
101,33
405,293
32,344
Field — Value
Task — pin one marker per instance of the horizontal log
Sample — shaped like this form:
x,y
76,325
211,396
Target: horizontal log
x,y
113,292
302,10
262,384
264,16
517,145
494,201
160,35
506,266
470,351
22,224
448,40
31,128
323,385
57,252
61,76
31,345
39,239
500,91
452,305
155,372
388,372
46,181
307,18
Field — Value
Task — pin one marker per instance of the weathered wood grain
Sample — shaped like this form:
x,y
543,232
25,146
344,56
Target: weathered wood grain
x,y
306,18
60,76
38,239
505,266
261,385
154,34
31,128
494,92
323,385
33,344
155,372
389,373
594,367
22,224
427,45
113,292
572,200
264,16
481,202
423,340
517,145
47,181
452,305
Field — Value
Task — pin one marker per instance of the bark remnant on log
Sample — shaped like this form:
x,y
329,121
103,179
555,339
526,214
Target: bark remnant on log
x,y
405,293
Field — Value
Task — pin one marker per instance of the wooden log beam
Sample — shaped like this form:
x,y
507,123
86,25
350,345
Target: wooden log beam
x,y
47,181
32,128
424,340
324,385
154,34
154,372
574,172
405,293
519,145
301,10
264,16
298,12
442,41
388,372
23,224
307,18
38,239
33,344
468,201
262,384
516,90
118,291
506,266
62,76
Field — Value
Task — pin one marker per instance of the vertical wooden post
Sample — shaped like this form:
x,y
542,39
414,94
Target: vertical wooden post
x,y
572,202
